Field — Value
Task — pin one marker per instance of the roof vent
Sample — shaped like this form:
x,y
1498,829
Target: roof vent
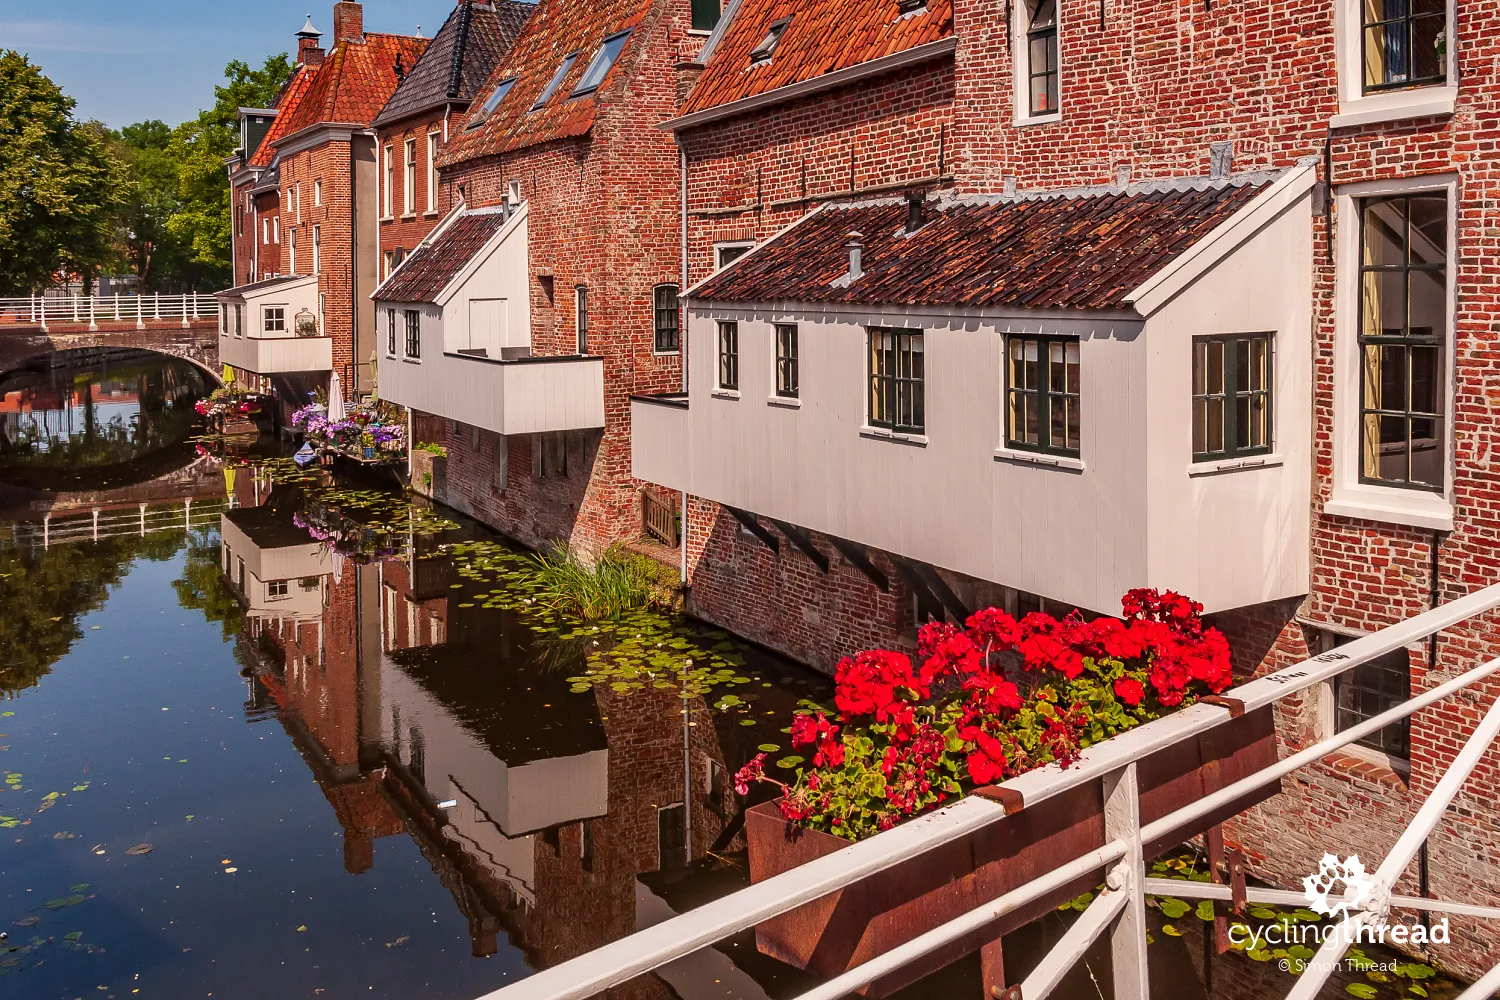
x,y
914,219
904,7
856,250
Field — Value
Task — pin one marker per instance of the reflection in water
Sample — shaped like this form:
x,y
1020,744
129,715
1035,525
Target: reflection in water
x,y
94,410
464,803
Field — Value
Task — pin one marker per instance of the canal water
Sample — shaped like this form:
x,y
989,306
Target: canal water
x,y
263,735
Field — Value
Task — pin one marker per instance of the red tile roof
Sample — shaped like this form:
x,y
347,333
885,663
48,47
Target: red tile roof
x,y
434,264
286,104
355,81
823,36
1066,252
557,29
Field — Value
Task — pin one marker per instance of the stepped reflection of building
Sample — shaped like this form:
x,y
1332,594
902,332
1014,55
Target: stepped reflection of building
x,y
555,817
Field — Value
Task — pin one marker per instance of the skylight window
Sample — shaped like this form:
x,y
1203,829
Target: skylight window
x,y
599,66
762,52
557,79
501,89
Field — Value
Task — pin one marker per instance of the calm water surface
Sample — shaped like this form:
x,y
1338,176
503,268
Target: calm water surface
x,y
238,763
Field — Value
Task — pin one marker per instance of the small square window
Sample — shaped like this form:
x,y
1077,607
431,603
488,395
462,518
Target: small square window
x,y
276,588
1370,689
762,52
786,360
275,319
1232,378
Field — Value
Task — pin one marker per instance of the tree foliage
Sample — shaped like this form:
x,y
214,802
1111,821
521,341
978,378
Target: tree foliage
x,y
60,183
199,148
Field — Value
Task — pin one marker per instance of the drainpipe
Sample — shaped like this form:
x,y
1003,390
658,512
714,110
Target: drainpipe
x,y
682,340
354,261
1434,597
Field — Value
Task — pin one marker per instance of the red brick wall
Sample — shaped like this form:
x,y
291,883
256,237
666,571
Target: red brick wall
x,y
401,230
603,213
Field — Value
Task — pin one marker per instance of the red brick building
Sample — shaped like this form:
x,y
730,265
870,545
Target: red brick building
x,y
533,379
430,102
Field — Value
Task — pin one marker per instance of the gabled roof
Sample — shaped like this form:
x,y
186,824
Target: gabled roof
x,y
354,82
438,259
557,29
822,36
286,103
1078,251
458,59
264,283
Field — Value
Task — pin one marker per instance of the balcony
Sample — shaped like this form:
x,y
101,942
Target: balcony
x,y
273,564
660,447
277,355
517,396
272,327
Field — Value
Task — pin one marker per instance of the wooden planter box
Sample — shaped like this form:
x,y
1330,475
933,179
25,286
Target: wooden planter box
x,y
849,927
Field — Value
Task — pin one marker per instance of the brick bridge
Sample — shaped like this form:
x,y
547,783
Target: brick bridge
x,y
182,326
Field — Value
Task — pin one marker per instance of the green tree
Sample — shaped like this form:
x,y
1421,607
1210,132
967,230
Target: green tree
x,y
59,183
148,247
199,148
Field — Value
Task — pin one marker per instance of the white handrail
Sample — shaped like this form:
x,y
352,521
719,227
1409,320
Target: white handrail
x,y
656,946
44,310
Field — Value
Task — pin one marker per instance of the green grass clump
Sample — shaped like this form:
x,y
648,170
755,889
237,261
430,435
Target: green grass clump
x,y
617,583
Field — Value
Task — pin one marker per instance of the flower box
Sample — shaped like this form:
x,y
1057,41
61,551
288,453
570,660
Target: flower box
x,y
849,927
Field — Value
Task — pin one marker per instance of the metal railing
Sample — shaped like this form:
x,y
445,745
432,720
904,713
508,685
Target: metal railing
x,y
102,523
1119,909
45,311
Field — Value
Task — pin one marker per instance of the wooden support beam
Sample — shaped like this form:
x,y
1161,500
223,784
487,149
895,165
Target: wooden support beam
x,y
803,541
909,573
752,524
939,588
859,558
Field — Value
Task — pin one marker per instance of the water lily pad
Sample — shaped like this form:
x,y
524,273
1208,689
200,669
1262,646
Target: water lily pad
x,y
1170,931
1205,910
1362,990
58,904
1172,908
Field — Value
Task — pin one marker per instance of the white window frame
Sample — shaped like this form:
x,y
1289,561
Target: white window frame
x,y
1357,108
276,229
318,192
1021,66
719,264
265,319
409,177
265,232
1350,497
388,181
317,251
292,251
432,173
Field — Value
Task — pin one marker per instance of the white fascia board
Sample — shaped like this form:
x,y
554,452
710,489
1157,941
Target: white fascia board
x,y
838,78
315,135
442,298
454,214
757,248
1227,237
857,312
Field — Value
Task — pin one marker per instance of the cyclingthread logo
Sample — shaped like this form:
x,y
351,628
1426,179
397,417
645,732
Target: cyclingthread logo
x,y
1331,872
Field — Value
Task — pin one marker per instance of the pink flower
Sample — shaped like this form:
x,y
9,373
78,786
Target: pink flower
x,y
753,771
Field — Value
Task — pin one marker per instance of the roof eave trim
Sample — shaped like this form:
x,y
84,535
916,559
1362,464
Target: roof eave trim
x,y
838,78
443,297
385,121
1159,289
957,312
307,136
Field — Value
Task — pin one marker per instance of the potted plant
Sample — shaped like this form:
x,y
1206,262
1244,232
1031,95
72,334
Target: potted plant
x,y
367,444
979,704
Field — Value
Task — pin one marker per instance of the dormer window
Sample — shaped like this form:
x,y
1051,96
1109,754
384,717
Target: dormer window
x,y
599,66
492,102
762,52
1404,43
556,81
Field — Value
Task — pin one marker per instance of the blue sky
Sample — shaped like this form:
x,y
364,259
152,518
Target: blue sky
x,y
126,62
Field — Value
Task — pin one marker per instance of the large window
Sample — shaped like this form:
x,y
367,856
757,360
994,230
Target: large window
x,y
413,333
729,355
1403,335
706,14
432,172
786,360
390,183
896,372
390,332
1403,43
1041,76
1043,406
668,318
409,179
581,301
599,66
1231,396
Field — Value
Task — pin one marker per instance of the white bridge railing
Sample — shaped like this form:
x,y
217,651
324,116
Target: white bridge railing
x,y
45,311
1119,909
102,523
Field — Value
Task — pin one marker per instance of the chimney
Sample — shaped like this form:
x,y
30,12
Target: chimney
x,y
914,201
856,251
309,52
348,22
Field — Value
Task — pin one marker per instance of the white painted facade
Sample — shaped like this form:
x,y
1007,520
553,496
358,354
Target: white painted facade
x,y
473,362
258,328
1133,510
299,569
